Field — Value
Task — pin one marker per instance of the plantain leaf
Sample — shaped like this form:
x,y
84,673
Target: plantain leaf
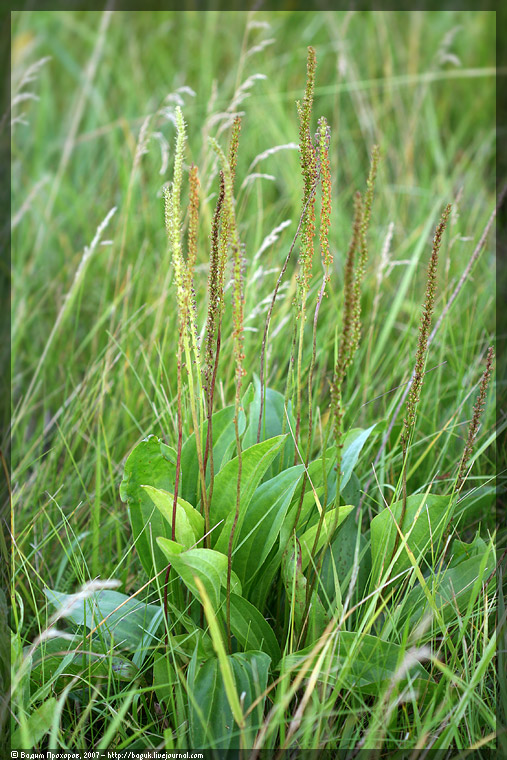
x,y
251,671
309,515
352,447
262,523
152,463
461,551
322,473
208,565
359,662
185,644
117,615
64,656
224,442
332,520
254,463
340,557
250,628
454,588
223,662
38,724
210,717
351,493
296,589
274,423
189,523
209,714
167,686
423,526
222,426
165,678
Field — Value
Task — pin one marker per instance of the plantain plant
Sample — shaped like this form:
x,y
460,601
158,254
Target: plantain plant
x,y
266,563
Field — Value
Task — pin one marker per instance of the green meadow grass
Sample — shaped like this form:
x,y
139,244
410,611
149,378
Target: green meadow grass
x,y
94,335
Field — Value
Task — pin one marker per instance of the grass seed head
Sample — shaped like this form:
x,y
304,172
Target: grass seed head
x,y
424,329
323,138
473,428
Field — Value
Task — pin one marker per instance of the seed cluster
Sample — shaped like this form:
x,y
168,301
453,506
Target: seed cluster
x,y
215,287
476,418
323,139
193,231
363,248
229,223
424,330
309,173
182,271
354,269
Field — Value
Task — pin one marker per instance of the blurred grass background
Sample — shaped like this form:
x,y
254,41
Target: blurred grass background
x,y
94,354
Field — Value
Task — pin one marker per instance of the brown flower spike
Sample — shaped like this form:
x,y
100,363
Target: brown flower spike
x,y
476,418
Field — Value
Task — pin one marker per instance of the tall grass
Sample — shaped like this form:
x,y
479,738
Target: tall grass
x,y
100,360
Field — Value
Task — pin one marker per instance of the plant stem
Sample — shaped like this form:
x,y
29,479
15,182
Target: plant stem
x,y
238,301
197,431
180,443
420,360
272,305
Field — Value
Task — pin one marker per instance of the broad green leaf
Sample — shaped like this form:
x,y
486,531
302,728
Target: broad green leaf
x,y
274,423
203,567
176,616
309,515
224,440
423,526
251,675
340,557
167,686
152,463
359,662
352,447
254,463
185,644
224,434
251,629
258,590
223,662
451,589
248,396
210,717
189,523
208,565
296,589
125,619
332,519
63,657
262,523
173,547
165,678
353,444
479,502
461,551
145,648
38,724
319,479
222,422
351,494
